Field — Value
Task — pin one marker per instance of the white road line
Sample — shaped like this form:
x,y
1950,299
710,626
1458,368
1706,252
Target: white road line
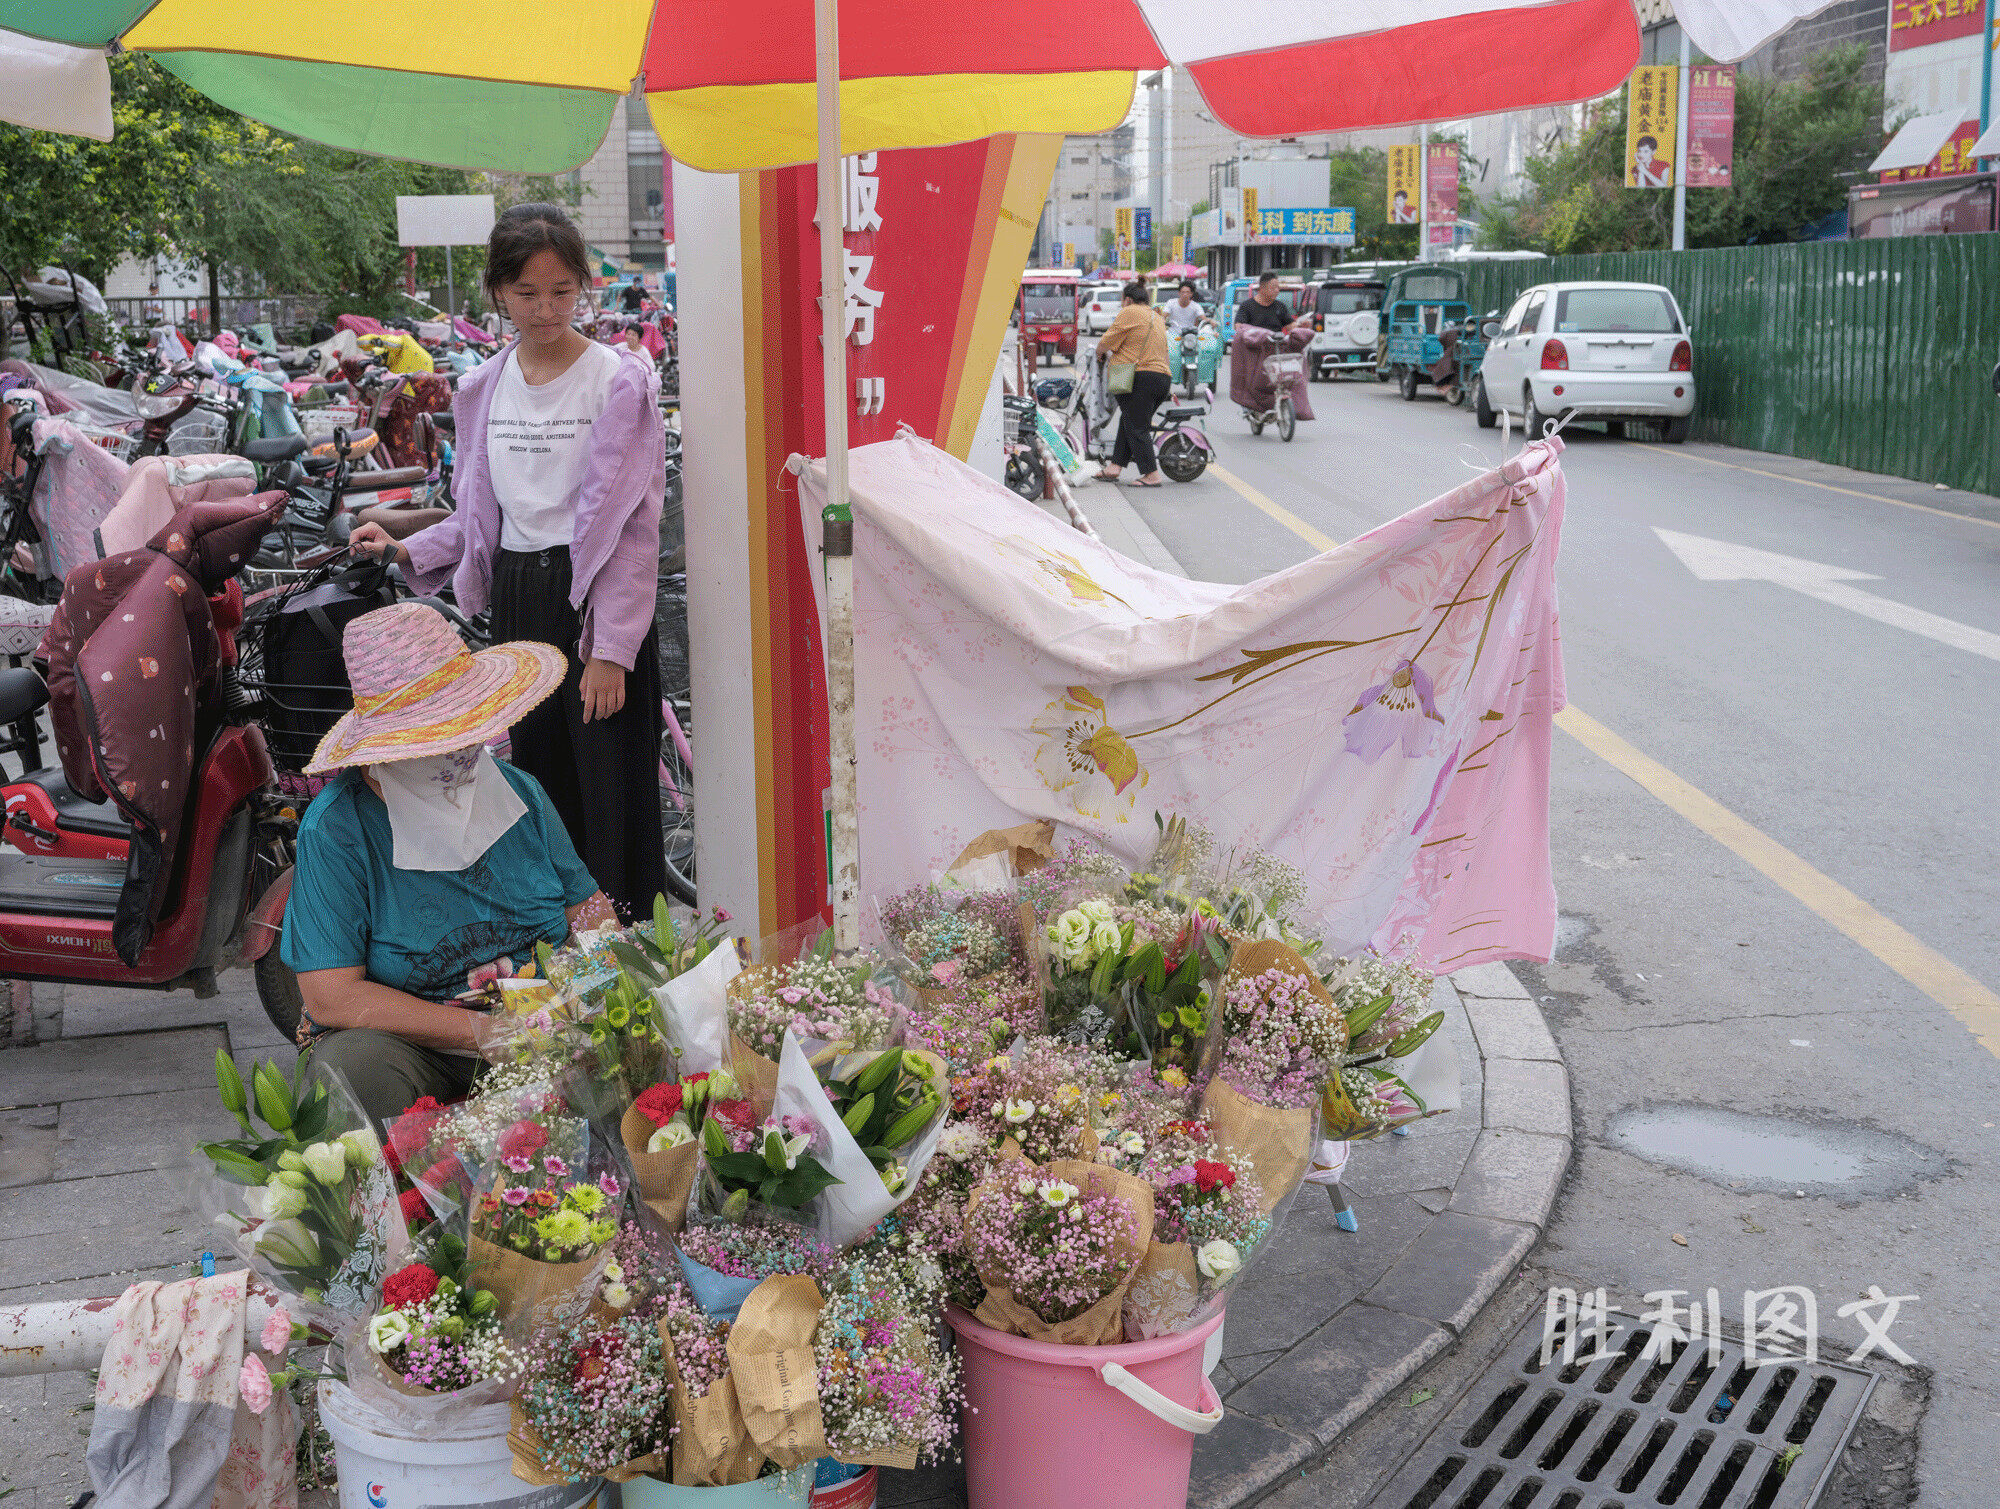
x,y
1720,561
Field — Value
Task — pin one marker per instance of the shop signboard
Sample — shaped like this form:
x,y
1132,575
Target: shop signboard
x,y
1443,208
1650,109
1711,150
1402,204
1921,207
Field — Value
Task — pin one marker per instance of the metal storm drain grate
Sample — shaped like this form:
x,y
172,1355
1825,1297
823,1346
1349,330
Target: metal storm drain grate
x,y
1627,1434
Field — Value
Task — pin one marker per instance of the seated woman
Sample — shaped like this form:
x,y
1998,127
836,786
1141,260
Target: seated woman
x,y
426,860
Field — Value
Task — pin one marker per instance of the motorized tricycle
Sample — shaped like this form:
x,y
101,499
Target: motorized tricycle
x,y
1047,313
1433,337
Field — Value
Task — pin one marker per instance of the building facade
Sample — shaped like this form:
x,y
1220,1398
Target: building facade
x,y
1094,175
622,189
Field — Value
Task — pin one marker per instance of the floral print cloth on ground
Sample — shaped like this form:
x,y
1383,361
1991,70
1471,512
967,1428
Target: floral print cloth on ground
x,y
1378,716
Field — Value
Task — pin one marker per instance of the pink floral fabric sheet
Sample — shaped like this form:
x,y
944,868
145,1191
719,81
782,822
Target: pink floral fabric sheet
x,y
1379,715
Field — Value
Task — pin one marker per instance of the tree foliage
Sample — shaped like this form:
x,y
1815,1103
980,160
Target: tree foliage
x,y
1799,145
182,176
1360,178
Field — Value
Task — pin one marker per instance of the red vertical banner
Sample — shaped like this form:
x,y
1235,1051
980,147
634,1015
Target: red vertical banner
x,y
1711,126
666,197
1443,207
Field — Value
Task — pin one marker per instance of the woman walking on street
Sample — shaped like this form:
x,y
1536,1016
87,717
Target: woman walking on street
x,y
1138,337
560,478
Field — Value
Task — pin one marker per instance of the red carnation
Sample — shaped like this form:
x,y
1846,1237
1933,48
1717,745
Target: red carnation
x,y
1212,1176
415,1211
739,1114
523,1139
660,1104
411,1130
408,1286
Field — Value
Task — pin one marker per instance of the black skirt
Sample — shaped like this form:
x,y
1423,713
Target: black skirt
x,y
616,759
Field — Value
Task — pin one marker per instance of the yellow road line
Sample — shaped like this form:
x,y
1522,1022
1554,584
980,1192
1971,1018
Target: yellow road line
x,y
1923,966
1755,471
1286,517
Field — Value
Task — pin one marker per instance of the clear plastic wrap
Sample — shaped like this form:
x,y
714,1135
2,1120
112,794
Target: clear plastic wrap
x,y
310,1208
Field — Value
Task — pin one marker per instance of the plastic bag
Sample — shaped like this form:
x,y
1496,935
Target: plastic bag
x,y
848,1210
312,1209
694,1011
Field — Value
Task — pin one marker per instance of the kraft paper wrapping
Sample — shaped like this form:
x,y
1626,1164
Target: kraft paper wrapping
x,y
777,1377
530,1466
1028,846
712,1449
1165,1289
756,1075
526,1287
666,1178
1278,1143
1104,1322
902,1458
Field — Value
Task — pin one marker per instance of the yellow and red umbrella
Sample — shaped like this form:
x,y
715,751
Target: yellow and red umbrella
x,y
480,84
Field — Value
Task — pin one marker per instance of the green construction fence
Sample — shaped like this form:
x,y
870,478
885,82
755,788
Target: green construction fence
x,y
1876,354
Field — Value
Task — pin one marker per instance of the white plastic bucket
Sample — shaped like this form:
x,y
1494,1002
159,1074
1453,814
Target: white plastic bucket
x,y
384,1465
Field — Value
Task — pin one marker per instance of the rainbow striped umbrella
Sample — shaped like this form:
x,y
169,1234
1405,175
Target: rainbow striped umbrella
x,y
532,88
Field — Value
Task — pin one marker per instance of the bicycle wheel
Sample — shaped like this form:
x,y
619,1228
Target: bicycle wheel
x,y
677,803
1288,422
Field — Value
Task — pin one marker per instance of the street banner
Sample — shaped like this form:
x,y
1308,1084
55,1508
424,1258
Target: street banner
x,y
1918,23
1251,212
1711,153
1180,248
1142,226
1443,215
1649,128
1955,156
1378,716
1402,204
1124,231
1069,254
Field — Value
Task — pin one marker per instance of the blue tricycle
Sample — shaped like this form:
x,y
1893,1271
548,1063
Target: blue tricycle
x,y
1433,337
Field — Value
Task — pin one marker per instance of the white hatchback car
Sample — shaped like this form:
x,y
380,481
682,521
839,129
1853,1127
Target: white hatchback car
x,y
1102,308
1608,351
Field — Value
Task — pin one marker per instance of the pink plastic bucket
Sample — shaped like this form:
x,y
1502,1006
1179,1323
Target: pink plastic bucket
x,y
1049,1427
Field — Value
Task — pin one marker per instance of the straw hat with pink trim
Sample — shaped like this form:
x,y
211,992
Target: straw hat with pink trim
x,y
419,692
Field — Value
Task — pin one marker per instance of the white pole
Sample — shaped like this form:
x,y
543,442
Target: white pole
x,y
1681,153
837,521
450,291
1423,193
69,1336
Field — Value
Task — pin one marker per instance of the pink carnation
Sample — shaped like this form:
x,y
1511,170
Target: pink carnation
x,y
277,1337
253,1384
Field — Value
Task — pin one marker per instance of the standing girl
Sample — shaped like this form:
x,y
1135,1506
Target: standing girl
x,y
560,476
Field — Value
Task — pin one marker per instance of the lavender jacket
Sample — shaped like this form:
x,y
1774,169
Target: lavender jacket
x,y
615,556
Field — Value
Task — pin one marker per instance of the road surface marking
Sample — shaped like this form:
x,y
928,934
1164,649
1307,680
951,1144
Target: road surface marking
x,y
1923,966
1933,974
1290,520
1719,561
1734,466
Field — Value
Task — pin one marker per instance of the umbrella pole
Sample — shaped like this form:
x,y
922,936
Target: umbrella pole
x,y
836,520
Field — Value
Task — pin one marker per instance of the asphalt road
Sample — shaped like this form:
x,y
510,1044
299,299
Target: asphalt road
x,y
1838,732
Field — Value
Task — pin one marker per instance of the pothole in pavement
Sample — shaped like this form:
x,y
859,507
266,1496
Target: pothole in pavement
x,y
1775,1153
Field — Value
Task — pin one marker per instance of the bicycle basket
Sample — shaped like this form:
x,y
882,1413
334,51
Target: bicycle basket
x,y
200,433
318,425
293,661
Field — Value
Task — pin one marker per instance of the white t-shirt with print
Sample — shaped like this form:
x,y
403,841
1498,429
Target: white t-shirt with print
x,y
536,440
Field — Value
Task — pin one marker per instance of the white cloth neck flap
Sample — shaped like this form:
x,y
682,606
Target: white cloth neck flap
x,y
446,811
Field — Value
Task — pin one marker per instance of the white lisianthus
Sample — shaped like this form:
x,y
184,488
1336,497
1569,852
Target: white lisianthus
x,y
282,1201
1057,1193
288,1242
388,1331
1070,934
1131,1144
1107,938
361,1148
326,1162
675,1133
1024,1185
961,1140
1014,1112
1097,909
617,1296
614,1272
1218,1261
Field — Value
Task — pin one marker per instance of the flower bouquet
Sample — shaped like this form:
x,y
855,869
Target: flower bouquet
x,y
1041,1100
436,1345
1057,1247
969,1021
966,926
1392,1072
1279,1039
882,1113
711,1447
1208,1218
888,1391
596,1396
426,1150
761,1167
309,1203
542,1220
661,1131
813,996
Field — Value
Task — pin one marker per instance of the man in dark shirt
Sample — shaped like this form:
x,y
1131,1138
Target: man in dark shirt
x,y
1262,307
